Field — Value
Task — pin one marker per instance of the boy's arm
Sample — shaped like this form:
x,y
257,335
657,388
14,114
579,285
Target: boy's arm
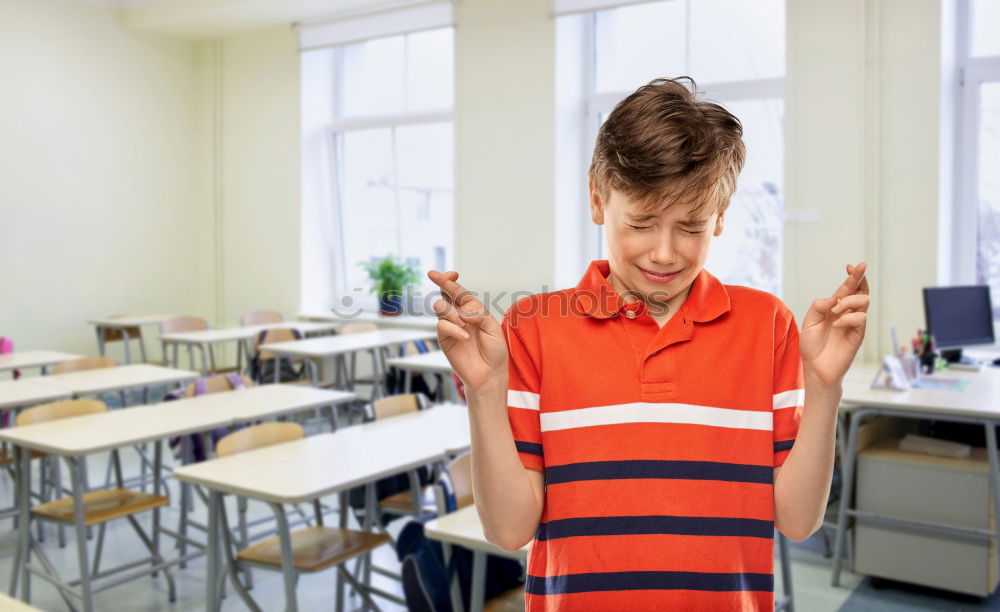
x,y
802,483
509,496
832,332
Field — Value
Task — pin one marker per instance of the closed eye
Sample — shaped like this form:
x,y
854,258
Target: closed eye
x,y
638,227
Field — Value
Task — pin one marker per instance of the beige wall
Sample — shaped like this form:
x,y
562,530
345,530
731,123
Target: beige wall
x,y
504,145
96,160
863,149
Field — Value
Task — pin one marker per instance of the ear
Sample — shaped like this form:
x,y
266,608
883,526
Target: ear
x,y
719,224
596,205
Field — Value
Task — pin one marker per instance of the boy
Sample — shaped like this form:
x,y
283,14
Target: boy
x,y
648,429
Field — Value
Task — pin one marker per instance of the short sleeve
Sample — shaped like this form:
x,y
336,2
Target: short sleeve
x,y
788,386
523,392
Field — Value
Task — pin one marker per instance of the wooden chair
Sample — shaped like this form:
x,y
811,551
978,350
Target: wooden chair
x,y
84,363
350,367
117,334
186,323
273,336
260,317
385,408
215,384
313,548
100,506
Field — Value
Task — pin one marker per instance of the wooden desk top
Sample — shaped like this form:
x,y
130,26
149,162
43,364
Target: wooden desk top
x,y
348,343
33,359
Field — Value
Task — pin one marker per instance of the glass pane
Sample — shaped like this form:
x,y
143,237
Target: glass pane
x,y
636,44
749,250
988,247
367,203
985,16
736,40
430,70
373,78
425,171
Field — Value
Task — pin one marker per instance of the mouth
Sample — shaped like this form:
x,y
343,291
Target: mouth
x,y
660,277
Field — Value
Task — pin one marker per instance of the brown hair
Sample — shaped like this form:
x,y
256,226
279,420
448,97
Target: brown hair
x,y
661,145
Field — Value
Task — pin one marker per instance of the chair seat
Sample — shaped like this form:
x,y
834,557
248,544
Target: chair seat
x,y
402,502
511,600
315,548
100,506
7,456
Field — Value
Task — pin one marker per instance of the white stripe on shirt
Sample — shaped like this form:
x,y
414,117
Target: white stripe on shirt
x,y
789,399
645,412
523,399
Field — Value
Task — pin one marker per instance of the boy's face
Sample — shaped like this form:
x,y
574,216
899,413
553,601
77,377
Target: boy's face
x,y
655,255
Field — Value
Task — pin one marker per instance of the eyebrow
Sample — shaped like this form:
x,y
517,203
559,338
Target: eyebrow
x,y
692,222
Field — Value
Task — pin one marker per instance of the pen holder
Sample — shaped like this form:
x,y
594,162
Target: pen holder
x,y
927,362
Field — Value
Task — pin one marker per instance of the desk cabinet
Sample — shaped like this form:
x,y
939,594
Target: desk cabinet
x,y
922,487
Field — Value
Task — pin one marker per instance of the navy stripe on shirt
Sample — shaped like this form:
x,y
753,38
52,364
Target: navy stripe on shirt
x,y
661,525
528,447
689,470
783,445
633,581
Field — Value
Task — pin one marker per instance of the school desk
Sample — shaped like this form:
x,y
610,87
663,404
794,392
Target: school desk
x,y
22,360
123,323
434,362
422,322
29,392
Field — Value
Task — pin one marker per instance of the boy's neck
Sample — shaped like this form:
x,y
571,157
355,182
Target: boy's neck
x,y
672,306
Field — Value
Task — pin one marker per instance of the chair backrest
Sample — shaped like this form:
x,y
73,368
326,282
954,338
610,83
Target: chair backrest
x,y
278,334
258,436
357,328
259,317
60,410
215,384
395,405
114,334
84,363
460,472
182,323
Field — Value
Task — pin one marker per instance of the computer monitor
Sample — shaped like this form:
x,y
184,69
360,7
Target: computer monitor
x,y
959,316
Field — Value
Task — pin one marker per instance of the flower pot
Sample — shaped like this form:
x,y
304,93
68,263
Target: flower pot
x,y
390,305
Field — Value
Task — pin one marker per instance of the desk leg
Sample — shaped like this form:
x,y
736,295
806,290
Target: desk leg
x,y
100,340
287,562
991,445
342,503
212,602
182,528
409,381
128,347
478,596
22,488
157,467
76,475
846,498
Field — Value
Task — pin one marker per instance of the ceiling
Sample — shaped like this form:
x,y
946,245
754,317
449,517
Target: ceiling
x,y
214,18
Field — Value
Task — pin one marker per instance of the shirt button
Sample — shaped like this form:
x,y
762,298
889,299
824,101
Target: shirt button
x,y
630,314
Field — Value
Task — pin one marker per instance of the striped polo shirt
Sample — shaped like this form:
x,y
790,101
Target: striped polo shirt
x,y
658,445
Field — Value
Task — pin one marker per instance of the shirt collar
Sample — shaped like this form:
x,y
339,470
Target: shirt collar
x,y
707,300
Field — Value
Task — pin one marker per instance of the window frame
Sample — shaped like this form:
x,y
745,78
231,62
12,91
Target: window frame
x,y
596,103
973,72
341,125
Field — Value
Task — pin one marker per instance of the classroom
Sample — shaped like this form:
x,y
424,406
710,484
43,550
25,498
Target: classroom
x,y
299,307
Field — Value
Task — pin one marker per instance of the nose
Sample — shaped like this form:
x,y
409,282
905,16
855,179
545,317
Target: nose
x,y
663,250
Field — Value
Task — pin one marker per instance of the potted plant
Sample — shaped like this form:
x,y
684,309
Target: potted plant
x,y
391,278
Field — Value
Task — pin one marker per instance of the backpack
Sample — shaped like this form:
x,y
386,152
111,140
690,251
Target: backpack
x,y
390,485
198,450
395,379
426,577
262,370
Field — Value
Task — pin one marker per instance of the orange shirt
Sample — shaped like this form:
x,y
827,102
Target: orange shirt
x,y
658,445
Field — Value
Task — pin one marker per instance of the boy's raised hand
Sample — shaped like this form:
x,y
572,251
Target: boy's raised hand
x,y
468,334
834,328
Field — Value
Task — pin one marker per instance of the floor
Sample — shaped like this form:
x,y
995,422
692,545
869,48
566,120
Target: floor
x,y
811,572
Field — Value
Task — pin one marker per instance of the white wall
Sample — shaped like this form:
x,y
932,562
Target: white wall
x,y
96,160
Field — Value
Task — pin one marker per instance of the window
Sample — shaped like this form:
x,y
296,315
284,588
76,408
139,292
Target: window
x,y
392,156
735,51
977,211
